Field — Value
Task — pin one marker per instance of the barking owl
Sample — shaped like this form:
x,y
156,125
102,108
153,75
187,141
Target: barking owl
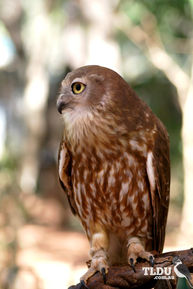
x,y
114,167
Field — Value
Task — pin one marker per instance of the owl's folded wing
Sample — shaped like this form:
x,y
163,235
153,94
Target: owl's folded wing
x,y
64,169
158,171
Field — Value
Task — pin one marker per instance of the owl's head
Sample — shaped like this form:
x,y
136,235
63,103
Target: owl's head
x,y
88,88
91,95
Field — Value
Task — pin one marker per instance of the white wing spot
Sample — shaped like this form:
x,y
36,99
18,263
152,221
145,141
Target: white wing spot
x,y
150,170
140,185
124,190
126,220
62,161
136,146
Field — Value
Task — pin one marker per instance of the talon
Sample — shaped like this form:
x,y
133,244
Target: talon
x,y
103,272
131,261
83,285
151,261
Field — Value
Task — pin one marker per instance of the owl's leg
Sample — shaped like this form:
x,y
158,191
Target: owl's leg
x,y
98,254
135,250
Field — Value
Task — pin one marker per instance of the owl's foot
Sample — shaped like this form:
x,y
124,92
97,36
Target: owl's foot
x,y
136,250
98,264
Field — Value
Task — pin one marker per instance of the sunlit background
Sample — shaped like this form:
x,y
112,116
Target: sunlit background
x,y
150,43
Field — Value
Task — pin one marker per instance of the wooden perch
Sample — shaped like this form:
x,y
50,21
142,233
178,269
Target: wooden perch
x,y
123,277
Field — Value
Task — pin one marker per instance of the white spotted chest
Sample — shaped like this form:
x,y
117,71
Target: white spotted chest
x,y
114,193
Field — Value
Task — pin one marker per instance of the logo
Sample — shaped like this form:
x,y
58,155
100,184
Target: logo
x,y
159,272
180,269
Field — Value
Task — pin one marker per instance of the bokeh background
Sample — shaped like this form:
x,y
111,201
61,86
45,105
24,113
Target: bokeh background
x,y
150,43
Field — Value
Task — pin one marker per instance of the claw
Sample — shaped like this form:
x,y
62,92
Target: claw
x,y
103,272
83,285
131,261
151,261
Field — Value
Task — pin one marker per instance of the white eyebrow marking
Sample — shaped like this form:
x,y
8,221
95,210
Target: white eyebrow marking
x,y
79,79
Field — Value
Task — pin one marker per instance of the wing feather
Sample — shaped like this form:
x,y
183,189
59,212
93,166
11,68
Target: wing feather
x,y
64,170
158,171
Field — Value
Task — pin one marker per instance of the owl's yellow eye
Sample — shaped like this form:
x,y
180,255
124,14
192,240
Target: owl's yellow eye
x,y
78,87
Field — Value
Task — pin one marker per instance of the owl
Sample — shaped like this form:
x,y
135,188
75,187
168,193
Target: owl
x,y
114,167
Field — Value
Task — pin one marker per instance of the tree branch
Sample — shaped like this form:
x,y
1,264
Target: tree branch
x,y
123,277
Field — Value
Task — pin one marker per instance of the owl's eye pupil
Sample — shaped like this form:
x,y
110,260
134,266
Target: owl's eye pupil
x,y
78,87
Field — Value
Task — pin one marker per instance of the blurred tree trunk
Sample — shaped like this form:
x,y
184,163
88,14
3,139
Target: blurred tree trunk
x,y
90,31
35,96
30,38
100,40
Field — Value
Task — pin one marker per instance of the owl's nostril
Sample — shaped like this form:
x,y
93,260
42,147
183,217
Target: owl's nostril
x,y
60,105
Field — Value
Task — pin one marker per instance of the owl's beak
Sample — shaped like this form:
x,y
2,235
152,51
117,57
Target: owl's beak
x,y
61,104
